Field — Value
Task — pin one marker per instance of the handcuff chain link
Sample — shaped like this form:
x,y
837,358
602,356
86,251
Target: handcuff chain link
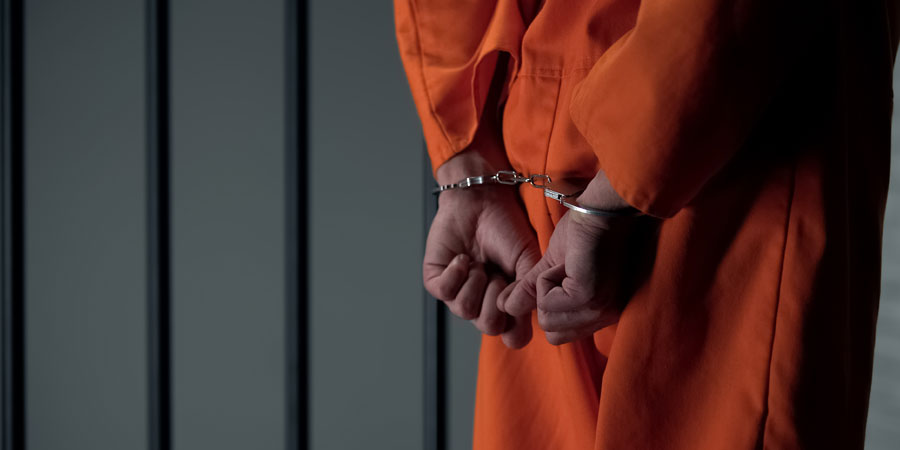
x,y
505,177
511,177
540,181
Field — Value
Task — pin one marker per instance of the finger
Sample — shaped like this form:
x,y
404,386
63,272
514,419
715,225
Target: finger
x,y
504,294
527,259
561,296
491,321
550,279
570,320
518,333
522,298
564,337
444,282
467,303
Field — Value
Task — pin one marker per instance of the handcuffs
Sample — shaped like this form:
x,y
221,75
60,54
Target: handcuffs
x,y
540,181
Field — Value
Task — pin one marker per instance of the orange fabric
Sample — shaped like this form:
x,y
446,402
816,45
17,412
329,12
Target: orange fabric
x,y
759,130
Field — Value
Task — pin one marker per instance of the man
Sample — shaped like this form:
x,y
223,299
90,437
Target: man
x,y
753,134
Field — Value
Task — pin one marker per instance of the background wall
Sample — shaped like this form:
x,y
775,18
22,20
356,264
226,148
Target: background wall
x,y
85,235
365,232
883,428
85,358
228,224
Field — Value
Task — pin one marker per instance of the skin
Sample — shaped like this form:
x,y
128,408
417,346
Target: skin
x,y
481,238
576,286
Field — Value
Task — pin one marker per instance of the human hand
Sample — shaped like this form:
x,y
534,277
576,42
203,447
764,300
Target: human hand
x,y
480,238
577,287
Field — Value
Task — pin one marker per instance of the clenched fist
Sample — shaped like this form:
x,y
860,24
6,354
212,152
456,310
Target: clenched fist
x,y
580,284
479,241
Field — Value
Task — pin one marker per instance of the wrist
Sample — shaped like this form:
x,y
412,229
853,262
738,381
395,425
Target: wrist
x,y
599,194
468,163
484,155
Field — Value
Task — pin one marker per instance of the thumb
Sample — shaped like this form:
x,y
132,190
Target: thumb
x,y
520,297
514,250
519,332
526,261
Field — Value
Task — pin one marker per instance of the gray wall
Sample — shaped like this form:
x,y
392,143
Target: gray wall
x,y
883,430
366,233
85,224
86,305
228,236
85,218
85,261
463,342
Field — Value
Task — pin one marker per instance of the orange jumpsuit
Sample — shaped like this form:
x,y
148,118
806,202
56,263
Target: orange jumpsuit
x,y
759,131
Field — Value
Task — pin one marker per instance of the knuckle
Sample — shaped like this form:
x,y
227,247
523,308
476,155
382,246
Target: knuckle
x,y
512,306
556,339
443,294
468,310
544,320
529,285
434,291
518,301
515,344
513,341
454,308
467,315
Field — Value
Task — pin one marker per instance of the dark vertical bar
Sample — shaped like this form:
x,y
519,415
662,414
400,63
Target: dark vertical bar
x,y
13,277
435,344
296,213
158,226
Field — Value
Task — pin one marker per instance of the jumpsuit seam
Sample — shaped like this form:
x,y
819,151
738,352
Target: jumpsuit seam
x,y
761,443
550,139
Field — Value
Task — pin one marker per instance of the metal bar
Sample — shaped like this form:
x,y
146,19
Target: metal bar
x,y
158,226
435,343
13,277
296,213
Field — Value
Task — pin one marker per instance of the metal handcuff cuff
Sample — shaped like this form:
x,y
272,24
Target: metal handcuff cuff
x,y
540,181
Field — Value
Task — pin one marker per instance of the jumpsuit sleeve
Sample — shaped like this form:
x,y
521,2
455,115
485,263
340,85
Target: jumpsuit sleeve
x,y
449,50
677,96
